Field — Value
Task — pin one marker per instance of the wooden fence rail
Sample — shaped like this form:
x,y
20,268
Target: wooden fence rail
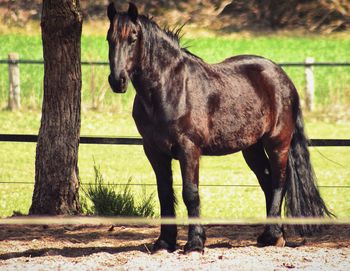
x,y
138,141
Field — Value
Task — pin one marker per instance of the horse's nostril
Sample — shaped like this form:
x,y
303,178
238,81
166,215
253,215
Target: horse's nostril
x,y
123,77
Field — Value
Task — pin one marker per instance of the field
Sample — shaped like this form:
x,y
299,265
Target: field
x,y
105,113
332,83
18,166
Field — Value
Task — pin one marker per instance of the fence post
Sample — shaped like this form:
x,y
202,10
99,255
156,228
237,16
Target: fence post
x,y
14,101
310,83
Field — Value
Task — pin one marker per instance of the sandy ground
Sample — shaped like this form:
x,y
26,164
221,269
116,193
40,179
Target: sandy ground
x,y
127,248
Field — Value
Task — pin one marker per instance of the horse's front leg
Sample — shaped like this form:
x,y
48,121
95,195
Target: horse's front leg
x,y
189,163
161,165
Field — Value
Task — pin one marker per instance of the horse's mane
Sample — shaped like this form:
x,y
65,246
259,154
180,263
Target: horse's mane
x,y
175,34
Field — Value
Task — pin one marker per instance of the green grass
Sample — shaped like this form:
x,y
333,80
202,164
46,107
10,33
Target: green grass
x,y
332,83
119,163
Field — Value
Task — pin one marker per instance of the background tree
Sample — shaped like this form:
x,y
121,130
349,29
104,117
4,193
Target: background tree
x,y
312,15
56,169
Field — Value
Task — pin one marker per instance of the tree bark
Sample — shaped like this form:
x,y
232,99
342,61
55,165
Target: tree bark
x,y
56,166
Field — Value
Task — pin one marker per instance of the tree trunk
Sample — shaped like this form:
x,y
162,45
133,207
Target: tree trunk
x,y
56,166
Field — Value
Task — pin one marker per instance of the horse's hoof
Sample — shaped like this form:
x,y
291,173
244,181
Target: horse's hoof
x,y
196,244
267,239
163,245
281,242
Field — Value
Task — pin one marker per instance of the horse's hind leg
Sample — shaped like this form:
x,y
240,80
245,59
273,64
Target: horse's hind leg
x,y
271,173
189,163
161,165
277,151
258,162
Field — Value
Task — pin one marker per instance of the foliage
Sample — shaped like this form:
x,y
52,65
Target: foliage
x,y
313,15
86,208
107,202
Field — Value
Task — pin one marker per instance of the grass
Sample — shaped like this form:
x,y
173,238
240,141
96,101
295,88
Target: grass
x,y
332,83
119,163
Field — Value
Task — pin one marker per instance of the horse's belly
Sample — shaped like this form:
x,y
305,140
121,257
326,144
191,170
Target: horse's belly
x,y
232,140
226,147
214,151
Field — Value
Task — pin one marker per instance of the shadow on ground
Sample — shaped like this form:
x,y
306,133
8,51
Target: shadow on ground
x,y
77,241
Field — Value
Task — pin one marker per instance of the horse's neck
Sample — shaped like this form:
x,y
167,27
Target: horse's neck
x,y
157,66
158,80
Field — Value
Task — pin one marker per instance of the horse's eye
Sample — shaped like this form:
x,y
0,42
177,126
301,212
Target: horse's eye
x,y
133,37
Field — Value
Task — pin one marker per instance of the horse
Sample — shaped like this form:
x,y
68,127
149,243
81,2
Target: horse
x,y
185,108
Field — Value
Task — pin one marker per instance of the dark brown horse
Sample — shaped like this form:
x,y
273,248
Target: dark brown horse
x,y
185,108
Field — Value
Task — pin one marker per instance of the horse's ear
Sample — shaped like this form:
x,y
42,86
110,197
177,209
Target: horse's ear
x,y
111,12
133,12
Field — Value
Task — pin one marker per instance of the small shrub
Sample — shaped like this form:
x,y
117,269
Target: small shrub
x,y
108,202
146,208
85,206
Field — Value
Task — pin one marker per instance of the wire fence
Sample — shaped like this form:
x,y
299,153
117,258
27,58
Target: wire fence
x,y
178,185
22,138
138,141
97,91
106,63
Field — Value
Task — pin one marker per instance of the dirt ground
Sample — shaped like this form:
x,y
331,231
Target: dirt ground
x,y
127,248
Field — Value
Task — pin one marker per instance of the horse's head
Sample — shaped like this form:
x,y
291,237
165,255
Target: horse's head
x,y
123,37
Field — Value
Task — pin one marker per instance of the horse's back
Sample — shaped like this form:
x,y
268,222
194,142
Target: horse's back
x,y
246,64
262,75
246,60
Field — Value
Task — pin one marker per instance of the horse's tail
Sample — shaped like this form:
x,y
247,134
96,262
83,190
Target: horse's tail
x,y
302,196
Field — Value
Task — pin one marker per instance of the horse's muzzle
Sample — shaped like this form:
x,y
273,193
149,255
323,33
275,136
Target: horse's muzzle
x,y
118,86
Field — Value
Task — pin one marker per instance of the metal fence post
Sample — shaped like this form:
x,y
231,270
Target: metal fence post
x,y
14,101
310,83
